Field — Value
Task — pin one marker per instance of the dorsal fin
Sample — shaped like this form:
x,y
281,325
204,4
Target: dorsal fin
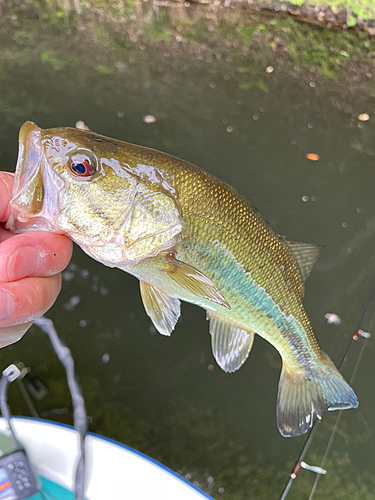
x,y
306,255
231,345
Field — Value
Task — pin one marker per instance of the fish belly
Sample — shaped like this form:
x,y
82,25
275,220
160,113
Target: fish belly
x,y
251,307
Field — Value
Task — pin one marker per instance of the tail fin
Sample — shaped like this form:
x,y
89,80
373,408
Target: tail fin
x,y
305,393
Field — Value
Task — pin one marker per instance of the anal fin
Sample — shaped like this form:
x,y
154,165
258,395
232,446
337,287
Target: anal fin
x,y
231,345
163,310
194,281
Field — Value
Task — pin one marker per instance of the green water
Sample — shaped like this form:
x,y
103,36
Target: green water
x,y
166,396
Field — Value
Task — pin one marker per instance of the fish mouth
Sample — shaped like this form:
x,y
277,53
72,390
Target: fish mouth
x,y
29,205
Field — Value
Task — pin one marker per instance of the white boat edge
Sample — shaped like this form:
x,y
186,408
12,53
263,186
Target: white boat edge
x,y
113,470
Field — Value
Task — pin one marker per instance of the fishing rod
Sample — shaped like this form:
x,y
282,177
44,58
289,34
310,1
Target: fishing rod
x,y
358,332
332,437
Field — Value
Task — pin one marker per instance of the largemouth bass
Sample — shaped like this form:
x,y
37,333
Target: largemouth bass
x,y
188,236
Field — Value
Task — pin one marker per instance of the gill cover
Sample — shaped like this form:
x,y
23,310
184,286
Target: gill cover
x,y
152,225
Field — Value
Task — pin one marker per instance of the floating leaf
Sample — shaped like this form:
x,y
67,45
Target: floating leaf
x,y
105,70
82,125
332,318
255,82
363,117
243,69
312,156
149,119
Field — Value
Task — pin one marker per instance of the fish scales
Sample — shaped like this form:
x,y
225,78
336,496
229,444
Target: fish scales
x,y
188,236
260,254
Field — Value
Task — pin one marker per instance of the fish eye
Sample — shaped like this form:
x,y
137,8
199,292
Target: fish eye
x,y
82,165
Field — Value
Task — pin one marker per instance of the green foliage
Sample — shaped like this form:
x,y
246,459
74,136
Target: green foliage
x,y
59,14
99,33
154,34
352,21
319,48
158,29
360,8
311,47
228,27
48,57
119,42
104,70
22,37
246,32
118,8
194,30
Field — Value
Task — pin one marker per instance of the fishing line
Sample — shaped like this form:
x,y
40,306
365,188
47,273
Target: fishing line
x,y
79,411
298,464
27,398
333,434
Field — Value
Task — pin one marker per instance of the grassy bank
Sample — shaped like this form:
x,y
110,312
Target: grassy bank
x,y
101,37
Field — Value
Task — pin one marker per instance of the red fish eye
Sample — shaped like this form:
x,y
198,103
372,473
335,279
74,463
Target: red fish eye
x,y
81,165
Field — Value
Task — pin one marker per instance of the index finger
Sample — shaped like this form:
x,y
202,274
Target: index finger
x,y
35,253
6,187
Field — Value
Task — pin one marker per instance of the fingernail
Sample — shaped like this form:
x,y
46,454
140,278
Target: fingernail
x,y
26,261
6,304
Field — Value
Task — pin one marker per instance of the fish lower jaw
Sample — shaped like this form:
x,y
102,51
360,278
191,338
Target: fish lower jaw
x,y
19,222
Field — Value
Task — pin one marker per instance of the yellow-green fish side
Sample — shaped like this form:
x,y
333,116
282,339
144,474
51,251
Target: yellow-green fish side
x,y
258,274
188,236
229,241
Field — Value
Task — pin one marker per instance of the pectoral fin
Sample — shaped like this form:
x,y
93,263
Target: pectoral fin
x,y
163,310
194,281
231,345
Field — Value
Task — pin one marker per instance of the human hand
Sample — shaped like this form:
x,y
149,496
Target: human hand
x,y
30,271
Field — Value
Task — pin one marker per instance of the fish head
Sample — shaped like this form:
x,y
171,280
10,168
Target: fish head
x,y
76,182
